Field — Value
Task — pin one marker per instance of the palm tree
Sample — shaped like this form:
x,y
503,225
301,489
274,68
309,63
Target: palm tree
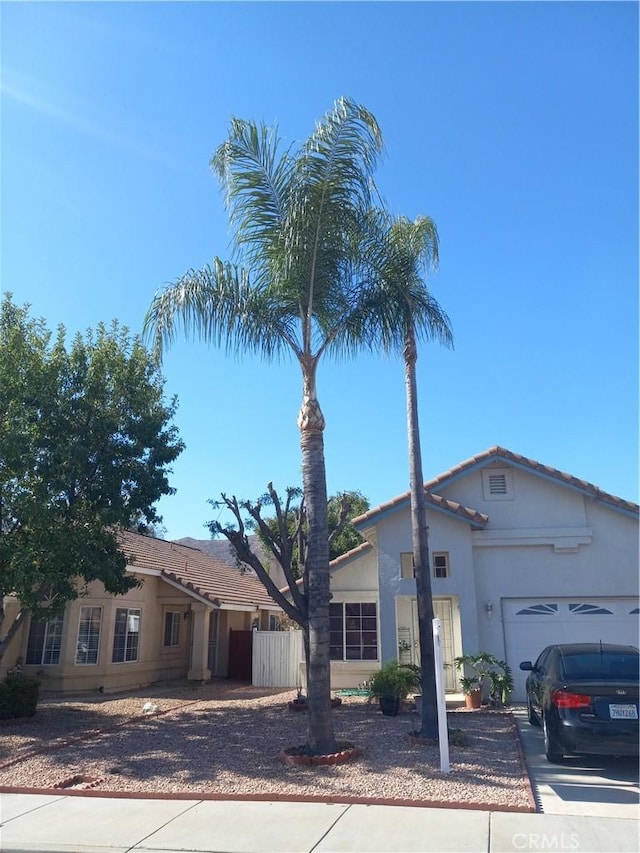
x,y
400,312
296,218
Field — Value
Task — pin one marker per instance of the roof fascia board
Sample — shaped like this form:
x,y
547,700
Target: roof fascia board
x,y
350,557
512,463
138,570
191,593
558,481
391,510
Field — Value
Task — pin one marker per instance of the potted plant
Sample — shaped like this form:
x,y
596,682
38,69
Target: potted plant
x,y
481,665
391,684
470,686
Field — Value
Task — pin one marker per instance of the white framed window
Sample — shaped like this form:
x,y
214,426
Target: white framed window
x,y
88,643
441,564
126,635
407,568
45,641
497,484
172,622
353,632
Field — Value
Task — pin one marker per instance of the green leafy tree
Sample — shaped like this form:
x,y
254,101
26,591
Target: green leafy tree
x,y
87,442
341,509
297,218
401,312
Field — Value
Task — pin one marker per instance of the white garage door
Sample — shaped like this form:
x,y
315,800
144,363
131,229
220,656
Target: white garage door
x,y
530,624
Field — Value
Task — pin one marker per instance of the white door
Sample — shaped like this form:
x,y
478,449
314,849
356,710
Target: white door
x,y
530,624
442,610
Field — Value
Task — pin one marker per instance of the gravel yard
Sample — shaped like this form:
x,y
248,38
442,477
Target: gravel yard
x,y
225,738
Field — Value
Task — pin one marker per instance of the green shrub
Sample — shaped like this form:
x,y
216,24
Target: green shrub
x,y
394,679
18,696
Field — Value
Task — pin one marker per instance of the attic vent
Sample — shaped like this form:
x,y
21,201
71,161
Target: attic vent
x,y
497,484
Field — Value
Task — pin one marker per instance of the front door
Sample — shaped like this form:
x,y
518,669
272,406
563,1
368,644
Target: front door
x,y
442,610
240,655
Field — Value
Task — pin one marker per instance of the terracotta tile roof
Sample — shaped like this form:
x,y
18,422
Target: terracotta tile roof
x,y
495,454
500,453
477,519
349,555
196,572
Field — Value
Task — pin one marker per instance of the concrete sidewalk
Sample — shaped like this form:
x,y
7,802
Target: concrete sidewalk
x,y
89,824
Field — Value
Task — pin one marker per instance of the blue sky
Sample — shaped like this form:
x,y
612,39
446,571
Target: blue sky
x,y
514,125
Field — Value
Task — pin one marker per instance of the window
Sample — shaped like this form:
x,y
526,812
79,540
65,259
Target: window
x,y
125,635
406,565
497,484
172,620
441,564
88,635
45,641
353,632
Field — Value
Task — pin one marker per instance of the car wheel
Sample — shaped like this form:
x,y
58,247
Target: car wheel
x,y
551,747
531,714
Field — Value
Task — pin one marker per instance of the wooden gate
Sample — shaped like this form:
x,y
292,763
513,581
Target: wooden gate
x,y
240,654
277,659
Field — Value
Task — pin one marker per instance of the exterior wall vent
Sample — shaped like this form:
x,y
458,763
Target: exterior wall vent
x,y
497,484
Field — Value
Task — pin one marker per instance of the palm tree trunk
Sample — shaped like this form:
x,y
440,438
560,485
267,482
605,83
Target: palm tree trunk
x,y
320,738
420,540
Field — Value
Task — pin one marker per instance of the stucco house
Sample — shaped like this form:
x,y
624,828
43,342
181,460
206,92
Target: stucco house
x,y
192,617
522,555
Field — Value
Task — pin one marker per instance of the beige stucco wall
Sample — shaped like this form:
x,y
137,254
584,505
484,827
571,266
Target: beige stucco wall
x,y
155,662
356,581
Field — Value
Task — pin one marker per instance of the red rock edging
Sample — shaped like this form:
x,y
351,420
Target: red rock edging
x,y
296,757
78,782
273,797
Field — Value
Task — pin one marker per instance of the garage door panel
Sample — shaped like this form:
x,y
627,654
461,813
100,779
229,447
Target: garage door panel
x,y
531,624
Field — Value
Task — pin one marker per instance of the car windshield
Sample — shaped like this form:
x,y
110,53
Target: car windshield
x,y
608,666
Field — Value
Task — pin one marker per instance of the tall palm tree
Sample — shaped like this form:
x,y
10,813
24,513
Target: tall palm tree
x,y
296,217
400,312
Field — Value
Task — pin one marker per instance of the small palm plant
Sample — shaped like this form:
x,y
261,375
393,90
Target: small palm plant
x,y
487,669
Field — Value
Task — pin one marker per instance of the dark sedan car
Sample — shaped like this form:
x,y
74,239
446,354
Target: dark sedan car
x,y
586,696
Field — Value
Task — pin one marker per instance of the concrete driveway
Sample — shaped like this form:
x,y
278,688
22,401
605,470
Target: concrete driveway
x,y
581,785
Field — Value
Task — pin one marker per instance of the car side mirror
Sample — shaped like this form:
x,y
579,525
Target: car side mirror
x,y
526,665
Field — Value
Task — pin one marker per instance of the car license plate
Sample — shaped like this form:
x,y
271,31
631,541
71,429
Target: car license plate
x,y
623,712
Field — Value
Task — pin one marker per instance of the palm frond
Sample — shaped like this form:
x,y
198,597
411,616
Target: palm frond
x,y
397,254
219,305
256,180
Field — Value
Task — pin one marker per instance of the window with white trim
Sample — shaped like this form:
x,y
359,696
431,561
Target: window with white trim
x,y
353,632
126,635
441,564
407,569
88,642
45,641
497,484
172,622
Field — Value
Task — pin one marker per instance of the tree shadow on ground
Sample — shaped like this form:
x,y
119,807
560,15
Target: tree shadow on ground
x,y
222,745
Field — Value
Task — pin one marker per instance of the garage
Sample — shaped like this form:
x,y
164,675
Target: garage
x,y
530,624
